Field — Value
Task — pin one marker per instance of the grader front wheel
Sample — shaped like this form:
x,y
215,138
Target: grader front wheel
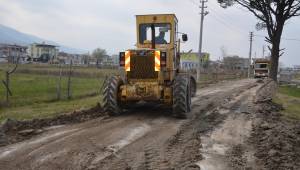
x,y
181,97
111,102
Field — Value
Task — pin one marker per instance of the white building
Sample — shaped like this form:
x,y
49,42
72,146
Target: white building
x,y
42,52
296,68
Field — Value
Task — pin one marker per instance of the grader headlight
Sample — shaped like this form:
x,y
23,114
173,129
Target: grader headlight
x,y
127,61
157,60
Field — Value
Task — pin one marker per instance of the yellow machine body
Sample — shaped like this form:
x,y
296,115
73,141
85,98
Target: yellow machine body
x,y
151,67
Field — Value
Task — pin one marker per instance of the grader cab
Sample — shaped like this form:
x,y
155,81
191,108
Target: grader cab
x,y
152,70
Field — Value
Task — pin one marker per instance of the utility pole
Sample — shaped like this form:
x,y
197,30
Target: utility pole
x,y
250,54
203,14
58,91
69,92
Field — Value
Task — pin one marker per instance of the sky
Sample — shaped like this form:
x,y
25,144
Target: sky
x,y
110,24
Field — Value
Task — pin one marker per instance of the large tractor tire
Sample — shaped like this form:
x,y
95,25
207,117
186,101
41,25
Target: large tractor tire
x,y
181,97
111,101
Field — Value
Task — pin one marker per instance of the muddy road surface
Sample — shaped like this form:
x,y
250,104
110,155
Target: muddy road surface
x,y
147,137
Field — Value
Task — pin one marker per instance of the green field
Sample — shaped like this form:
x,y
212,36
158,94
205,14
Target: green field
x,y
289,97
35,94
78,71
290,91
30,89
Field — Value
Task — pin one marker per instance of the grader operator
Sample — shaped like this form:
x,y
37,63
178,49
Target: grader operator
x,y
152,70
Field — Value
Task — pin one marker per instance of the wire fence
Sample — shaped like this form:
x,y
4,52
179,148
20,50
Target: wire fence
x,y
32,84
214,74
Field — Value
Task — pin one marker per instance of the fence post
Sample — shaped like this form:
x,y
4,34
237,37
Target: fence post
x,y
7,81
7,86
69,93
58,92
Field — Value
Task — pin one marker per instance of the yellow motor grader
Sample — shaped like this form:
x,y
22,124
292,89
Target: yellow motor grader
x,y
152,70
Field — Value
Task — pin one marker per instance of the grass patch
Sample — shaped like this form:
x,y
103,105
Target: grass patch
x,y
29,89
35,95
290,91
289,97
46,69
47,110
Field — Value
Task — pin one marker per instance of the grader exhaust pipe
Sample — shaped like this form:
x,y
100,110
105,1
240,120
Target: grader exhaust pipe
x,y
153,36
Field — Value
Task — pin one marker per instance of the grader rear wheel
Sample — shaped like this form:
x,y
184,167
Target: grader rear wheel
x,y
181,97
111,102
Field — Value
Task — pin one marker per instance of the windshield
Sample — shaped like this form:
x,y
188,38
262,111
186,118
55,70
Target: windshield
x,y
162,33
261,65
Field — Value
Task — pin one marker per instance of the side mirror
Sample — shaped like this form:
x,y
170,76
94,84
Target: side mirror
x,y
184,37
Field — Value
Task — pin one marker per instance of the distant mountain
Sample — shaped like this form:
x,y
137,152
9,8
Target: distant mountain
x,y
11,36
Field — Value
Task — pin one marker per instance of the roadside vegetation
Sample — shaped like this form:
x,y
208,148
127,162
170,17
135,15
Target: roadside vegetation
x,y
77,71
34,89
34,94
29,89
289,97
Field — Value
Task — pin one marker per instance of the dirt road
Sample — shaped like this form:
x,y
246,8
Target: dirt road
x,y
148,137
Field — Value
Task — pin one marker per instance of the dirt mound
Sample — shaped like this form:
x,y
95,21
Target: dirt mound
x,y
277,139
12,131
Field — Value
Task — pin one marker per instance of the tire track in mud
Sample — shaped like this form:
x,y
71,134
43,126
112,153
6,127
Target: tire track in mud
x,y
226,147
169,143
181,150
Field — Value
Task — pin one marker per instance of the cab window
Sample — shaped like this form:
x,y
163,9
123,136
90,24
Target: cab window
x,y
162,33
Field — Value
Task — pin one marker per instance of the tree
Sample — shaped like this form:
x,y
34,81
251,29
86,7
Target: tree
x,y
86,58
99,54
272,16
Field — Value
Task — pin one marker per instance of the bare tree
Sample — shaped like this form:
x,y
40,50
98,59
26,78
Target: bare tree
x,y
99,54
6,82
272,16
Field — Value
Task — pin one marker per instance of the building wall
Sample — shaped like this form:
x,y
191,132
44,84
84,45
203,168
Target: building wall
x,y
189,61
296,68
236,63
37,51
13,53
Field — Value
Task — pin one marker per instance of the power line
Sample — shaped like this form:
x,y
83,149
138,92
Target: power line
x,y
193,2
221,19
283,38
225,23
291,39
230,27
221,16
